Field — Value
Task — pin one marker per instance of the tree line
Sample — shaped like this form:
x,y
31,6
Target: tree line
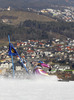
x,y
37,30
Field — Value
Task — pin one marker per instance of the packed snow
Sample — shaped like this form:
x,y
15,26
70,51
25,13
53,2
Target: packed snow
x,y
36,88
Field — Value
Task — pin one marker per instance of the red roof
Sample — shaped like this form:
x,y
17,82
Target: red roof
x,y
41,43
34,40
59,45
30,51
18,44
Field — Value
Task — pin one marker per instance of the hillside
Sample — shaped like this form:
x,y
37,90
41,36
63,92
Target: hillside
x,y
37,30
16,17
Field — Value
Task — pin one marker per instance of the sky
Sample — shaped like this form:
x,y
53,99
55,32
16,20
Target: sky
x,y
36,88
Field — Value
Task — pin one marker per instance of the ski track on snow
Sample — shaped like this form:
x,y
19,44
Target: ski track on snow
x,y
37,88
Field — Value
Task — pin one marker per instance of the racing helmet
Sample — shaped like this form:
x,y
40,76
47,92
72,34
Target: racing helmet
x,y
40,62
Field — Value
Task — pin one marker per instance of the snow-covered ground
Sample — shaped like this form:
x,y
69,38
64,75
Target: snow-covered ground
x,y
41,88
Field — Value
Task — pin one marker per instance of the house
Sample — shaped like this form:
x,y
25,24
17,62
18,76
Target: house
x,y
18,68
2,71
47,53
9,8
30,51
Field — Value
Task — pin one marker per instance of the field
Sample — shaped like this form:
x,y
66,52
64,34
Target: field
x,y
15,17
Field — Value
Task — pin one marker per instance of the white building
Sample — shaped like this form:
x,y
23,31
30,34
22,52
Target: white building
x,y
9,8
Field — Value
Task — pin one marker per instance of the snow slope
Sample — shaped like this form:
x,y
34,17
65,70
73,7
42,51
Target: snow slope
x,y
36,89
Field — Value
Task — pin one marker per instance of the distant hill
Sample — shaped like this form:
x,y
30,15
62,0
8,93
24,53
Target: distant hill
x,y
16,17
20,4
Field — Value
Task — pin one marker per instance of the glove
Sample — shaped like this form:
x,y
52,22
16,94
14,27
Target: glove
x,y
49,69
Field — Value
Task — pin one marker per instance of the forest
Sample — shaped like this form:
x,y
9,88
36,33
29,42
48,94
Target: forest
x,y
37,30
36,4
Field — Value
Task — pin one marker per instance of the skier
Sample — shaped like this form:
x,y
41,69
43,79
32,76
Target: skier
x,y
38,69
